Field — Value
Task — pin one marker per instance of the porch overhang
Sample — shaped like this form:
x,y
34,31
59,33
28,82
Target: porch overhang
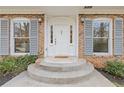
x,y
61,10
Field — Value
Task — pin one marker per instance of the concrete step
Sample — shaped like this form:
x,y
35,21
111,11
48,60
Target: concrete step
x,y
61,65
48,76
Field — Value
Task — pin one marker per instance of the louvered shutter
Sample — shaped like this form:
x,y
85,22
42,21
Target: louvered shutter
x,y
4,37
34,37
88,40
118,36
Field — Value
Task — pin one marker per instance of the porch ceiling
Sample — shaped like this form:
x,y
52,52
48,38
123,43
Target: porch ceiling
x,y
61,10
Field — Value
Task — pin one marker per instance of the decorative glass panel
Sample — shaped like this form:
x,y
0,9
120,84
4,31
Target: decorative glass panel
x,y
21,45
100,45
51,34
101,29
71,34
21,29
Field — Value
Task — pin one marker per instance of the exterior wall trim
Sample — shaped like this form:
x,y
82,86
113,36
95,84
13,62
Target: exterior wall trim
x,y
77,32
45,36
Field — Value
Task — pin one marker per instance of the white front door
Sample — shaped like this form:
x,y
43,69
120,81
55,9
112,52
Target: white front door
x,y
61,38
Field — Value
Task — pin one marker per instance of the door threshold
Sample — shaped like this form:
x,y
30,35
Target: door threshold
x,y
61,56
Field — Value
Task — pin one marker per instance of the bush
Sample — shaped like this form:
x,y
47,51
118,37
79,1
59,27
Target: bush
x,y
115,68
15,65
7,65
23,62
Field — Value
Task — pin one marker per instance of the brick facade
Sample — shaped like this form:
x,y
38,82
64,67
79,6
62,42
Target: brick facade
x,y
41,27
98,61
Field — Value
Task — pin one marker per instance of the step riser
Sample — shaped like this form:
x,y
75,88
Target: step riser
x,y
44,73
60,80
60,73
50,78
61,69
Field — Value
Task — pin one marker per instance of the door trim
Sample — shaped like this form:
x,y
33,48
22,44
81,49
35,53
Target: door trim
x,y
75,20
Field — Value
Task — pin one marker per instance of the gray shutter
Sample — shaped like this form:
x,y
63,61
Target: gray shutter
x,y
118,36
4,37
34,37
88,40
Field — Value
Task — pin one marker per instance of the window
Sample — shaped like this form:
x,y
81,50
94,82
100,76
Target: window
x,y
101,36
21,36
51,34
71,35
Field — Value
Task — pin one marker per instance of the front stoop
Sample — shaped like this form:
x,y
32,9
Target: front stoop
x,y
60,72
23,80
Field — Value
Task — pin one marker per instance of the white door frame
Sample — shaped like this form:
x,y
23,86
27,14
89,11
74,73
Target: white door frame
x,y
74,18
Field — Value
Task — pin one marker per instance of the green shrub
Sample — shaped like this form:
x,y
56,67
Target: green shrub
x,y
22,63
15,65
7,65
9,59
26,59
115,68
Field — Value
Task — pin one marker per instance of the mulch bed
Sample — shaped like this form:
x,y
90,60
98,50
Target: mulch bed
x,y
116,80
6,78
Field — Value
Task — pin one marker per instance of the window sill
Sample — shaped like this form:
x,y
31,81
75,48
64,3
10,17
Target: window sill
x,y
20,54
102,54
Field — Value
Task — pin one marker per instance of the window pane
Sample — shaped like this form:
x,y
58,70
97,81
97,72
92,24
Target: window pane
x,y
21,45
51,34
71,34
21,29
101,28
100,45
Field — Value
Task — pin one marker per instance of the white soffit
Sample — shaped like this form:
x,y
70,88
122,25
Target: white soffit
x,y
104,10
61,10
20,10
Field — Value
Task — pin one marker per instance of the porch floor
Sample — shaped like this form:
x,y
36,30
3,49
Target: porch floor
x,y
23,80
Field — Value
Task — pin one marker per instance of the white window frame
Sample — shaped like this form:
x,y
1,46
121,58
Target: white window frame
x,y
109,38
12,44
